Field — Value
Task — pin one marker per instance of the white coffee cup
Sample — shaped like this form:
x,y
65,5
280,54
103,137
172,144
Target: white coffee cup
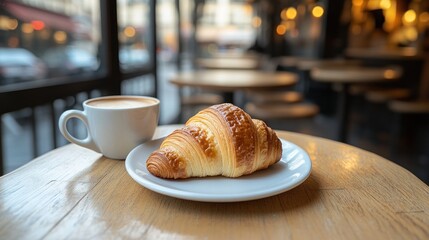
x,y
115,124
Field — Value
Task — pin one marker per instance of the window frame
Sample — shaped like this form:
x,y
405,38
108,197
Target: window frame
x,y
108,78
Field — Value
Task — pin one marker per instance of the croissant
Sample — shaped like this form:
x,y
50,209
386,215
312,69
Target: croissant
x,y
219,140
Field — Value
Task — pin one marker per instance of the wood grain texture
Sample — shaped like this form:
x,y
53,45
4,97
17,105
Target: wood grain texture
x,y
74,193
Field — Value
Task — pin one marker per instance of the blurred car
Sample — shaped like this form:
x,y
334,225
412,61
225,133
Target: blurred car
x,y
18,64
69,60
133,57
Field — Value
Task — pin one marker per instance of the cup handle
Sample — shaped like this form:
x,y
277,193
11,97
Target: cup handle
x,y
88,142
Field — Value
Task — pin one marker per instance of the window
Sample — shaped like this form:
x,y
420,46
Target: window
x,y
56,54
48,39
134,40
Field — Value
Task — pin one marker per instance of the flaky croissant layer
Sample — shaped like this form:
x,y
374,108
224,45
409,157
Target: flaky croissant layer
x,y
219,140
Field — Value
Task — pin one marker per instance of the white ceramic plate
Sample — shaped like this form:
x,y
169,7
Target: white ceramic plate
x,y
293,168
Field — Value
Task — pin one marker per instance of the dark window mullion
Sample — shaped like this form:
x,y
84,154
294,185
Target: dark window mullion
x,y
110,46
137,73
153,48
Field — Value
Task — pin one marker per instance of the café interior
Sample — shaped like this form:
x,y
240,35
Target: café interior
x,y
353,71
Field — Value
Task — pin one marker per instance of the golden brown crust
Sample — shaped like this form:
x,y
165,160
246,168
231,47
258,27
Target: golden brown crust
x,y
220,140
241,130
166,163
200,135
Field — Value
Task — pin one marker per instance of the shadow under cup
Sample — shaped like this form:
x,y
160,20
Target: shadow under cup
x,y
115,124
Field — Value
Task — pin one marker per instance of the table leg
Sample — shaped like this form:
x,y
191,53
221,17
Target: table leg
x,y
305,82
396,136
343,113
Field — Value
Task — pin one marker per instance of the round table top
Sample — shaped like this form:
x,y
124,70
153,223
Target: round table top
x,y
308,64
409,106
230,80
73,192
355,74
381,53
229,63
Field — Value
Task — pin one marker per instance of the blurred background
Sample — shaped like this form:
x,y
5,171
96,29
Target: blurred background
x,y
55,54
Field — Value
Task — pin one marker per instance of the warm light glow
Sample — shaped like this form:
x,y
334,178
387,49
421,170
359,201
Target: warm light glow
x,y
60,36
129,32
389,74
409,17
37,25
281,29
317,11
357,2
256,22
372,4
283,14
13,24
248,9
385,4
411,34
390,16
4,22
291,13
8,23
351,163
27,28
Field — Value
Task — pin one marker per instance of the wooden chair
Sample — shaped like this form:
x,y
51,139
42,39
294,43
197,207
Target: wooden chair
x,y
195,101
281,111
385,95
292,117
276,97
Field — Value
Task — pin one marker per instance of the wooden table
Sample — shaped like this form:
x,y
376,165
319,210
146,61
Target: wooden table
x,y
305,66
229,63
347,75
308,64
397,53
229,81
74,193
414,63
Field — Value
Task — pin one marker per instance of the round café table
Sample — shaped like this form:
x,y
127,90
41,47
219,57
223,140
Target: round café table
x,y
344,76
308,64
74,193
304,66
229,81
412,60
229,63
385,54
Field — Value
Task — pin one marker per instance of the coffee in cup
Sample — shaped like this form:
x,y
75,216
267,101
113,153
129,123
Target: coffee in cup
x,y
115,124
123,102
